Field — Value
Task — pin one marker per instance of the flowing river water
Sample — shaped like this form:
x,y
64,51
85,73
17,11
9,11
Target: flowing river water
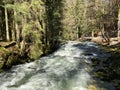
x,y
69,68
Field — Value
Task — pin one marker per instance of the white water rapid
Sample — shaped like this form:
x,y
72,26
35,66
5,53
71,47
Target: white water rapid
x,y
69,68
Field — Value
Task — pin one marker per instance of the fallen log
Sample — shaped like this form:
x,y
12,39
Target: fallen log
x,y
7,44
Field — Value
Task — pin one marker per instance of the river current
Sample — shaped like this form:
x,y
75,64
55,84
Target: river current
x,y
69,68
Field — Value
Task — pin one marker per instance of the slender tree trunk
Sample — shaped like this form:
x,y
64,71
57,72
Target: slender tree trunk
x,y
85,16
3,28
119,35
77,33
6,22
92,34
22,48
17,34
108,38
17,31
105,35
0,28
46,29
118,25
13,31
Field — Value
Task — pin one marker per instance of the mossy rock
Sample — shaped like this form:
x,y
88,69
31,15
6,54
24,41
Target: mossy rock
x,y
1,70
35,52
118,87
1,64
15,58
95,61
102,74
11,60
3,51
87,54
92,87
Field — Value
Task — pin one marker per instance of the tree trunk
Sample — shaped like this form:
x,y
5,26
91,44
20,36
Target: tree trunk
x,y
92,34
13,31
105,35
6,22
118,25
119,34
22,48
17,31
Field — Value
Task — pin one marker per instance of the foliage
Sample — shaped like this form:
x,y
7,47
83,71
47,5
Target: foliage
x,y
39,26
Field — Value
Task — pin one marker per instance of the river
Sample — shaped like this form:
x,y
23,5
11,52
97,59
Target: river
x,y
69,68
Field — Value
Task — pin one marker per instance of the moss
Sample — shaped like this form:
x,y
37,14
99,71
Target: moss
x,y
1,70
118,87
111,66
35,52
1,64
92,87
115,63
86,53
102,74
95,61
3,51
11,60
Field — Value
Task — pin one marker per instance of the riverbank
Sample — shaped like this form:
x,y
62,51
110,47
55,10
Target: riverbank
x,y
10,55
68,68
71,64
110,70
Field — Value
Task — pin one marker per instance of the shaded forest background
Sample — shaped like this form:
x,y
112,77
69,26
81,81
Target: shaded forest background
x,y
38,27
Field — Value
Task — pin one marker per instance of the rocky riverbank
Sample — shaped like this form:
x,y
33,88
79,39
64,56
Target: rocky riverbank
x,y
10,56
109,71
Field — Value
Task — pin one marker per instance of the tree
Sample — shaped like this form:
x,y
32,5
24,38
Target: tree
x,y
54,15
4,5
70,20
118,6
7,28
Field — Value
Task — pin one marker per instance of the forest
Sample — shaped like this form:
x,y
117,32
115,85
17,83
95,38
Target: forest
x,y
30,29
